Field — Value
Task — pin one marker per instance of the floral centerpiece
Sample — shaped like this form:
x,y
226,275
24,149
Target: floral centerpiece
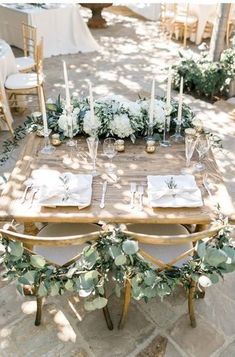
x,y
115,116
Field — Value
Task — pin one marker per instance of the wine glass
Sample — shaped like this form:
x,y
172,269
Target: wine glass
x,y
109,150
92,143
190,143
202,147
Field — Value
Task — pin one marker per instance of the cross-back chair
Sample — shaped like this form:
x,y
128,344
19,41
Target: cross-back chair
x,y
28,61
5,113
22,84
184,24
165,246
60,245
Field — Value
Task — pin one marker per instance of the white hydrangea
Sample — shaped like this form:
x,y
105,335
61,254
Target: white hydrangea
x,y
66,120
134,108
158,112
91,127
121,126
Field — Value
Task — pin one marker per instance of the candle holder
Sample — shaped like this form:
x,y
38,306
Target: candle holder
x,y
47,149
177,137
120,145
166,143
150,132
71,142
150,146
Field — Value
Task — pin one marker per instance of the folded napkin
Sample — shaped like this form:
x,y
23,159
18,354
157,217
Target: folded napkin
x,y
67,189
184,192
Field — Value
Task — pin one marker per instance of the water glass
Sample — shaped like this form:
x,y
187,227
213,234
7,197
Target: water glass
x,y
202,147
92,143
190,143
109,149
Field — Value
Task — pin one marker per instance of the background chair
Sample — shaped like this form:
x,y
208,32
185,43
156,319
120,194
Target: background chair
x,y
164,246
62,247
184,24
5,113
28,62
21,84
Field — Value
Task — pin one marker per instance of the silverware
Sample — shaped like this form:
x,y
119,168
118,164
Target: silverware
x,y
102,202
206,185
140,194
28,187
33,196
133,191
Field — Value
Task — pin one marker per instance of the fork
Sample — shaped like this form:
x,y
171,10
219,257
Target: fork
x,y
133,191
140,194
33,196
28,187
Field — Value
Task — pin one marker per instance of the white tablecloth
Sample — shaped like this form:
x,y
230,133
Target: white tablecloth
x,y
150,11
7,67
62,27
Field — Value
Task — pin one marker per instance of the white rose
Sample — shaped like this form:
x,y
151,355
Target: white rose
x,y
204,281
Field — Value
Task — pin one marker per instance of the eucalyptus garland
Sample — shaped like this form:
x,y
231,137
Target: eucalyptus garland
x,y
118,254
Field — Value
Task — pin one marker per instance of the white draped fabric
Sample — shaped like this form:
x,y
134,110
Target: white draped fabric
x,y
62,27
7,67
149,11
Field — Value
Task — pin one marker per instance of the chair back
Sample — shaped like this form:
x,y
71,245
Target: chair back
x,y
171,240
5,112
29,40
29,241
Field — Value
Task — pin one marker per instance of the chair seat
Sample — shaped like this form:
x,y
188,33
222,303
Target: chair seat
x,y
61,255
22,81
166,253
24,63
189,20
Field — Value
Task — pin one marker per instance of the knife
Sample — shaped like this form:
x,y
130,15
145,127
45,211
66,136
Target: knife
x,y
102,203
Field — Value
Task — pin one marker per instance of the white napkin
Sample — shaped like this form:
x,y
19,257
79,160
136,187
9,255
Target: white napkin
x,y
185,194
67,189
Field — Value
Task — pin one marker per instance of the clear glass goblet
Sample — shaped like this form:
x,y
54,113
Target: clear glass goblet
x,y
92,143
202,147
190,143
109,149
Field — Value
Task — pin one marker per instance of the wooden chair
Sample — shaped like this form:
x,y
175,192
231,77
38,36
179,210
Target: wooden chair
x,y
164,246
184,24
5,113
21,84
60,245
28,62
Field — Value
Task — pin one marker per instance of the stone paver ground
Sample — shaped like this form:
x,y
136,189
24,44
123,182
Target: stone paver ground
x,y
132,51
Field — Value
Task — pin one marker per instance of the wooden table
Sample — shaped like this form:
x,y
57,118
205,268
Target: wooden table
x,y
132,165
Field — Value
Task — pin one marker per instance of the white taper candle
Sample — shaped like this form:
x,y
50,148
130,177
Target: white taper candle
x,y
91,103
66,85
180,100
168,93
151,107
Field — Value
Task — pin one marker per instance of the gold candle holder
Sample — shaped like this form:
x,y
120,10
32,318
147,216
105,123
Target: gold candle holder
x,y
55,139
150,146
120,145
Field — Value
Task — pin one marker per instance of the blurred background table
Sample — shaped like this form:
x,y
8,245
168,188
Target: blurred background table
x,y
62,27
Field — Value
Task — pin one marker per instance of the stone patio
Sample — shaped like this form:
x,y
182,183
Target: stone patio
x,y
132,50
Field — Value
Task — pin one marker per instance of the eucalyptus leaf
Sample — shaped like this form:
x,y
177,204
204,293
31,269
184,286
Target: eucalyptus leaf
x,y
120,259
201,249
115,251
89,306
16,248
71,271
130,247
19,288
150,278
54,288
28,278
42,291
37,261
100,302
215,256
69,285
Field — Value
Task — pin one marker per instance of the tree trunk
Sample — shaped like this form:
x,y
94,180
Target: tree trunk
x,y
219,31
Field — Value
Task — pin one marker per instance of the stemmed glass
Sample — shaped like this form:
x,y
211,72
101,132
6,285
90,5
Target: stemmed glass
x,y
190,143
92,143
109,150
202,147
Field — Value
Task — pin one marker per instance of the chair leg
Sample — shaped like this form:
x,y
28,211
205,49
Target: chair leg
x,y
39,311
126,303
107,317
191,293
